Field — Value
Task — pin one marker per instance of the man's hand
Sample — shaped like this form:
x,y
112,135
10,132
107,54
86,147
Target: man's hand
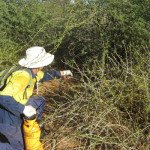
x,y
29,111
66,73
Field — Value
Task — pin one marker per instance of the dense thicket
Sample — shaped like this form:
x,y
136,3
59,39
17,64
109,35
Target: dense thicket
x,y
81,31
106,44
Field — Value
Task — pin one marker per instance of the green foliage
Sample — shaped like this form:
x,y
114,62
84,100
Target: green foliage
x,y
78,31
28,23
104,29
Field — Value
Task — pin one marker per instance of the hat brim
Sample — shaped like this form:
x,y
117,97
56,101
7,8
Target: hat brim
x,y
46,60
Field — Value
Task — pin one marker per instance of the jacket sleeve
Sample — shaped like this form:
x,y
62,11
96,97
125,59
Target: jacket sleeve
x,y
49,75
8,103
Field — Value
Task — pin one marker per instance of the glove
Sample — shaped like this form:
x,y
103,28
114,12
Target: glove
x,y
29,111
66,73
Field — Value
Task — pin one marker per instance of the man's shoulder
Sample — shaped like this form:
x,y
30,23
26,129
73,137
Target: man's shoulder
x,y
22,73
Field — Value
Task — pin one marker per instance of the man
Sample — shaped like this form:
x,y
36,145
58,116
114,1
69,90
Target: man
x,y
16,99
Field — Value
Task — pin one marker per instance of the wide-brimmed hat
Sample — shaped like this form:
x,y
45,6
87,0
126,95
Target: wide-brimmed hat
x,y
36,57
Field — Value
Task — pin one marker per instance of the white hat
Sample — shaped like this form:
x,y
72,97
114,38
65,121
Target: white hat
x,y
36,57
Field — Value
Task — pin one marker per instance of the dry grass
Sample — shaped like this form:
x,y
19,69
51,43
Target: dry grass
x,y
105,110
75,118
56,135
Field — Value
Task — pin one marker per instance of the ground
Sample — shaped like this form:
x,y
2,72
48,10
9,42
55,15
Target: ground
x,y
55,133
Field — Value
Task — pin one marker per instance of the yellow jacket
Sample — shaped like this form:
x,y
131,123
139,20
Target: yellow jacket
x,y
20,85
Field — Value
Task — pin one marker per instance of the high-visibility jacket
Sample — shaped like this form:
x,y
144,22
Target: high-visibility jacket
x,y
20,85
19,88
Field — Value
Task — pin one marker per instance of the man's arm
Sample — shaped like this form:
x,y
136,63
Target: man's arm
x,y
8,103
49,75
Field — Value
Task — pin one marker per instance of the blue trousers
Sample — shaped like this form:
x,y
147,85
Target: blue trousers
x,y
11,137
